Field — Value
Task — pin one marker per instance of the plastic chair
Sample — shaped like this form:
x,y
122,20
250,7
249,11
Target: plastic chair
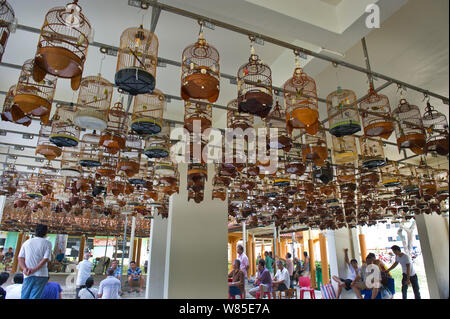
x,y
290,293
305,286
234,297
266,293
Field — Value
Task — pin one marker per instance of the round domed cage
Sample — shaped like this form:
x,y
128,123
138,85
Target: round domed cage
x,y
94,100
34,98
44,146
196,176
376,115
408,178
113,138
390,175
197,113
255,87
344,149
148,112
436,125
346,174
89,151
130,157
108,165
63,44
7,18
11,112
372,153
409,128
300,98
158,146
64,132
427,183
276,119
137,60
314,147
343,114
200,72
237,120
70,166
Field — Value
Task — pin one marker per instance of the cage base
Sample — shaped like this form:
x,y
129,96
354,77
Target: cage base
x,y
156,152
256,103
345,129
135,81
282,183
145,126
50,152
89,163
439,146
374,163
57,61
380,129
392,183
15,115
411,188
137,181
90,122
70,172
204,123
200,87
32,104
63,140
306,116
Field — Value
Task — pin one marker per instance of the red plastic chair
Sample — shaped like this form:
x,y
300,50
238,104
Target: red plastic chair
x,y
234,297
266,293
305,286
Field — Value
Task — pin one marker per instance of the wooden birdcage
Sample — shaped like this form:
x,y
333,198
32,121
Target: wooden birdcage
x,y
64,132
11,112
346,173
236,120
409,179
200,71
158,146
6,24
300,98
409,128
113,138
255,87
148,113
324,173
390,175
314,147
343,113
89,151
197,175
108,165
44,146
375,113
197,113
94,100
32,97
372,152
137,60
63,44
427,182
344,149
70,166
130,157
276,119
436,125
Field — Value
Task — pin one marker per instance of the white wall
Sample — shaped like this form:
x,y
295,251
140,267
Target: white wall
x,y
158,243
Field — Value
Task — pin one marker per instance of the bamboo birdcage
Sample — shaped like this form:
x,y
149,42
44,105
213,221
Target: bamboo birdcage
x,y
346,173
372,152
276,119
300,98
32,97
44,146
255,87
113,138
196,176
11,112
197,114
343,113
344,149
130,157
89,151
409,128
64,132
200,71
108,165
390,175
427,183
94,100
158,146
63,44
137,60
70,166
314,147
236,120
436,125
148,113
6,21
375,114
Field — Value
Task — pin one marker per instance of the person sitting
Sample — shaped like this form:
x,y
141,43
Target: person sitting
x,y
88,292
290,267
237,285
135,277
3,278
14,291
354,270
361,283
281,281
263,281
117,269
2,254
52,290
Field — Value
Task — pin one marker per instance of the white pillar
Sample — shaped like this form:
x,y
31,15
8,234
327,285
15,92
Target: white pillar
x,y
353,233
244,236
133,230
196,233
157,258
434,243
2,206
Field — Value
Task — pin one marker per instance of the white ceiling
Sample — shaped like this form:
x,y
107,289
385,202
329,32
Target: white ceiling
x,y
410,45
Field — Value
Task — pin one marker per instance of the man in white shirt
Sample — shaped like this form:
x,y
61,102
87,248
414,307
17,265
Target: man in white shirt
x,y
281,280
409,274
354,271
15,291
244,263
84,269
33,259
110,287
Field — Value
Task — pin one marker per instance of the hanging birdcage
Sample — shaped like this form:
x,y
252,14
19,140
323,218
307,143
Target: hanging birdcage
x,y
137,60
325,173
64,132
158,146
344,149
94,100
63,44
113,138
148,112
314,147
44,146
390,174
346,174
7,18
436,125
236,120
130,157
108,165
427,182
409,180
89,151
32,97
343,113
300,98
200,71
409,128
375,114
11,112
276,119
255,87
70,166
372,152
197,114
196,176
294,164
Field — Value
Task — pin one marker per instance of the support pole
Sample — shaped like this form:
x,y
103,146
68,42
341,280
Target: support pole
x,y
138,252
362,245
15,263
233,250
324,258
275,246
81,251
133,230
312,261
124,246
244,236
147,273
